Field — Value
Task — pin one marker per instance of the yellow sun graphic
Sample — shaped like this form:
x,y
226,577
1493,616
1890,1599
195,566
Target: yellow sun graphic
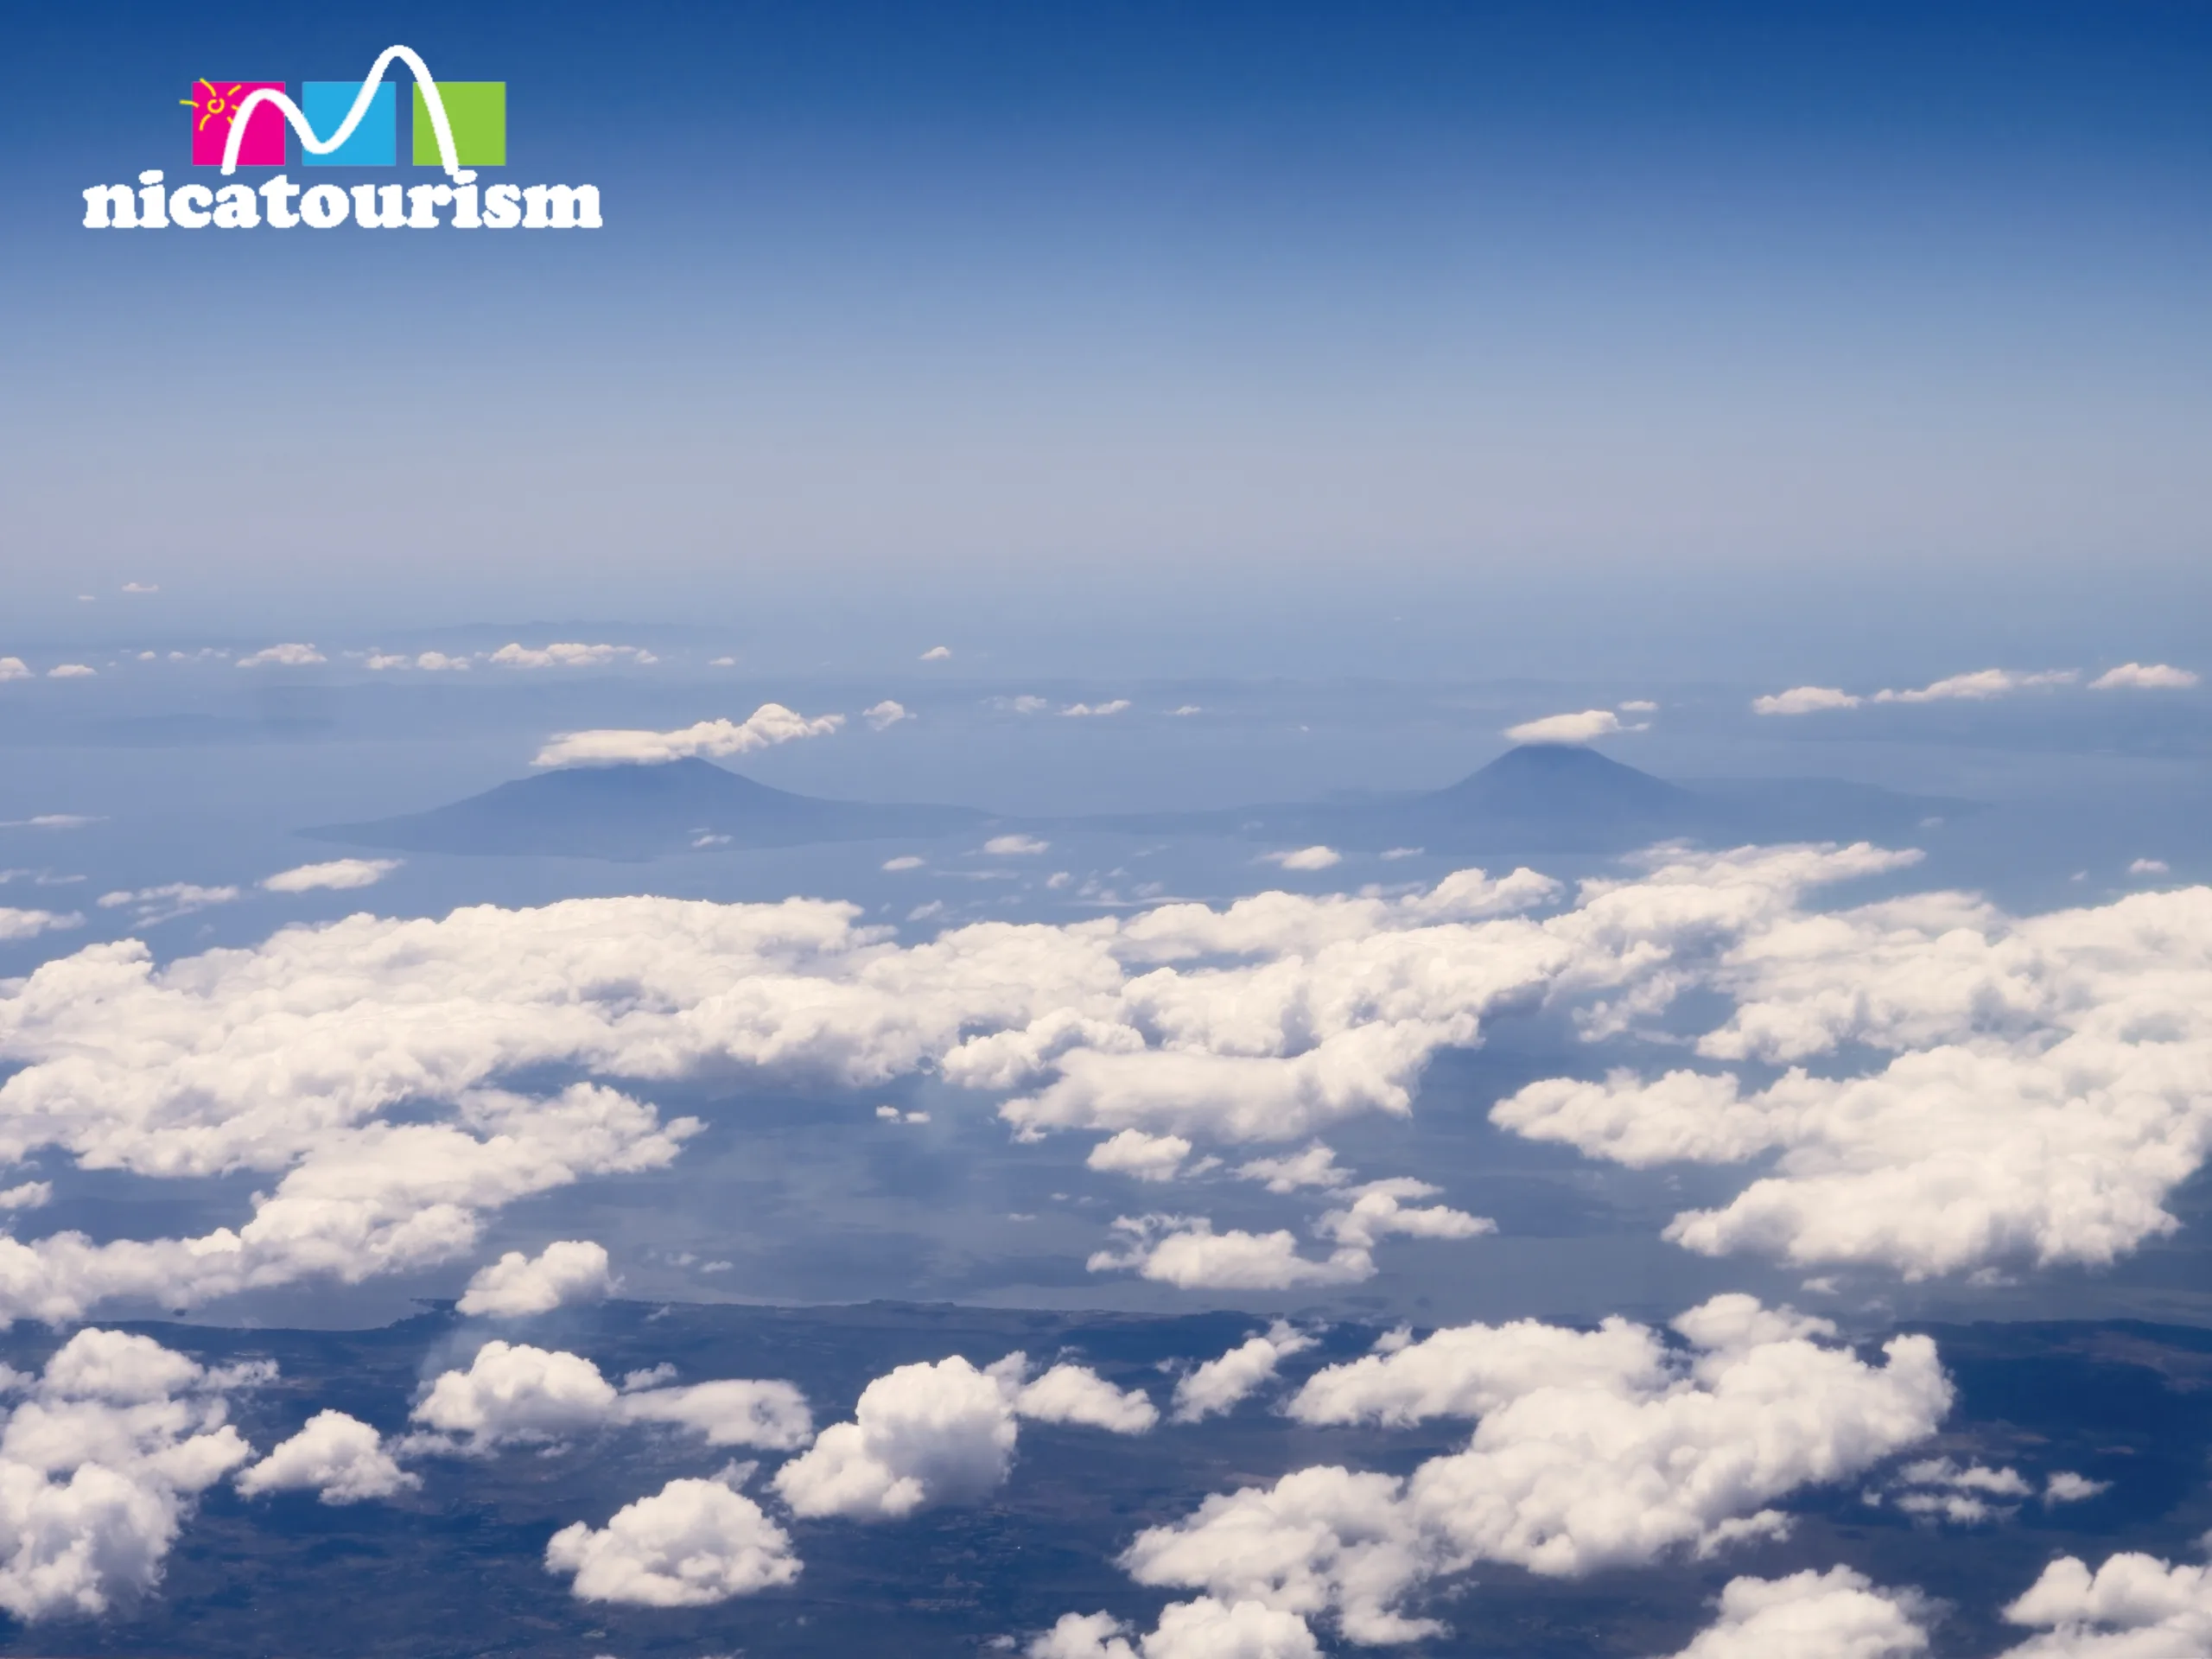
x,y
214,103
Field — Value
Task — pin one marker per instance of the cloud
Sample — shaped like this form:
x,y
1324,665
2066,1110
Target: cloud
x,y
71,672
1837,1614
1087,710
1378,1210
1587,727
166,902
1144,1157
1590,1450
1077,1396
286,655
1316,1166
339,875
1942,1489
52,820
516,1286
943,1432
769,724
924,1433
141,588
692,1544
14,667
1185,1252
1304,858
2150,867
1222,1384
434,662
358,1067
30,924
937,654
571,654
1805,700
904,862
1203,1628
2134,1607
1980,686
885,715
339,1457
1184,711
2144,676
515,1394
2024,1102
2065,1486
1016,846
99,1465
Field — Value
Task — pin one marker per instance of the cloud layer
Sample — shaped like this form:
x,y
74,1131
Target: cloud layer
x,y
1591,1449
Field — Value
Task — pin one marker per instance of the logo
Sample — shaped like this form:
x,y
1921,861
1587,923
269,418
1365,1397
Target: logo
x,y
458,125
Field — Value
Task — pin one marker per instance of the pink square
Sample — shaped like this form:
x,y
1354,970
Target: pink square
x,y
214,103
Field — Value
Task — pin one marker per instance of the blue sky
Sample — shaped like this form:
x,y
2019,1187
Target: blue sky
x,y
1180,338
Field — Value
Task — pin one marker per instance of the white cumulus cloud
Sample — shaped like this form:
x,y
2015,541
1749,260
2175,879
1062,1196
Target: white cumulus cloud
x,y
99,1465
1185,1252
77,671
768,724
1805,700
1304,858
943,1432
1591,1449
30,924
513,1394
1838,1614
1144,1157
339,1457
285,656
1092,710
1981,686
1224,1382
1586,725
14,667
2144,676
148,906
692,1544
2134,1607
567,1270
885,715
570,653
2029,1099
337,875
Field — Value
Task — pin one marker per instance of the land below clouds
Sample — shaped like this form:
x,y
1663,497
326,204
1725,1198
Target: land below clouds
x,y
455,1569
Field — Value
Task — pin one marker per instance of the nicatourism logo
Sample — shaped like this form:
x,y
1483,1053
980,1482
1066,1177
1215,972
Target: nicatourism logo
x,y
459,125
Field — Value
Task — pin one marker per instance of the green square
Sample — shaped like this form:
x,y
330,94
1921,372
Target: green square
x,y
478,112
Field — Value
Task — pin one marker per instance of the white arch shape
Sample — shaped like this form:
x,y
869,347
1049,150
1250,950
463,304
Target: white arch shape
x,y
439,125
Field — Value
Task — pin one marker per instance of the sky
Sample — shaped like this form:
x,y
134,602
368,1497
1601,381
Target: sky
x,y
1198,831
1159,336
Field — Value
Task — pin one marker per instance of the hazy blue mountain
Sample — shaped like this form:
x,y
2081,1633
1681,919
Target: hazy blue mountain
x,y
1538,798
641,812
1563,797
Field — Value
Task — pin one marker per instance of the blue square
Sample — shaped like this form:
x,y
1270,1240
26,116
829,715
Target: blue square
x,y
375,142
